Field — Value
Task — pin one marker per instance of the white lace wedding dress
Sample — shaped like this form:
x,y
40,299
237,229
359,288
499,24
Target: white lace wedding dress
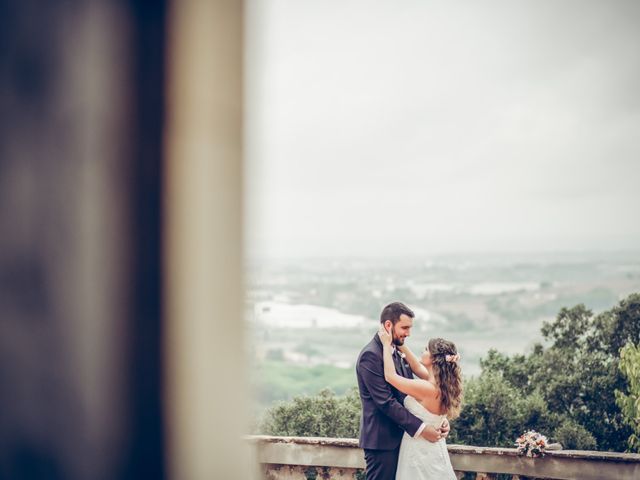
x,y
420,459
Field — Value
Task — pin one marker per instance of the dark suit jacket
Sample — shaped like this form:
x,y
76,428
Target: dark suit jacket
x,y
384,417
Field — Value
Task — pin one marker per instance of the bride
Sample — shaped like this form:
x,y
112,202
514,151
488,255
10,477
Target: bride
x,y
436,394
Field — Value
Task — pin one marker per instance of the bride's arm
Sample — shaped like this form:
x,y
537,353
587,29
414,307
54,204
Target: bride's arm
x,y
416,367
417,388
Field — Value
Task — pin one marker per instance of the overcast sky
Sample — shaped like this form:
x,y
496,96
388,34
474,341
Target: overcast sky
x,y
401,127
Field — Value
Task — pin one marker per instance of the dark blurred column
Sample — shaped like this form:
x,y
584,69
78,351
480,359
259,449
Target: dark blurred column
x,y
81,116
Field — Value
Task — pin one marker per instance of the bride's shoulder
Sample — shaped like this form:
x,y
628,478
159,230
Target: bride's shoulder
x,y
425,389
430,387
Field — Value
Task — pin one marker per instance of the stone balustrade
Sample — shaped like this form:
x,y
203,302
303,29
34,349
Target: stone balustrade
x,y
289,458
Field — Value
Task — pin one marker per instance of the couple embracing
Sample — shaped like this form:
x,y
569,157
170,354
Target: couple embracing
x,y
407,402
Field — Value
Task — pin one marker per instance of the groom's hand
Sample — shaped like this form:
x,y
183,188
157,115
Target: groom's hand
x,y
444,428
431,433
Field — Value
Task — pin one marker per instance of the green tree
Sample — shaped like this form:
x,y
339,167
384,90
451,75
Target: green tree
x,y
495,413
574,436
321,415
580,370
629,403
576,374
570,329
516,370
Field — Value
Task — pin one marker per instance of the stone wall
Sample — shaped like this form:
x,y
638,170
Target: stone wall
x,y
327,458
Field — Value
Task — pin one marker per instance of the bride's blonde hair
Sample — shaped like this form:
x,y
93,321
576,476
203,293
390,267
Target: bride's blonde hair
x,y
447,375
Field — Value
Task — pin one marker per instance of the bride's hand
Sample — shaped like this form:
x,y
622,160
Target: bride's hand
x,y
385,337
444,428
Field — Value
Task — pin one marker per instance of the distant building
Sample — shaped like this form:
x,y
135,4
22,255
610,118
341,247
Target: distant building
x,y
283,315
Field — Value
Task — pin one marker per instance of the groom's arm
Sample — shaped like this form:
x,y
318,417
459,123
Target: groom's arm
x,y
372,374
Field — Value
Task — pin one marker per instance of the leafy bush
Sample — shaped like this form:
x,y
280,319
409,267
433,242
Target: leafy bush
x,y
321,415
573,436
490,414
495,413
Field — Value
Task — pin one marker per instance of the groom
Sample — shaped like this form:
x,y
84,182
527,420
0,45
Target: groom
x,y
384,417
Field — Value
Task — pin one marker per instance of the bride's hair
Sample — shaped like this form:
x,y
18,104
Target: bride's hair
x,y
447,375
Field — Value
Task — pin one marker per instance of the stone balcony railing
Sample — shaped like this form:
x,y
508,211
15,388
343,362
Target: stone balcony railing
x,y
302,458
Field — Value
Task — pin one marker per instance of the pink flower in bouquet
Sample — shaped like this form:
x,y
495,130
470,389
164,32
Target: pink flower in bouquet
x,y
531,444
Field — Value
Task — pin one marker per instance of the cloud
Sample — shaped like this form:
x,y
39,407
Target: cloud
x,y
470,125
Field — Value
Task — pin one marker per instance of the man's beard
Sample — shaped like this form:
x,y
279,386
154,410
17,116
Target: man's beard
x,y
398,341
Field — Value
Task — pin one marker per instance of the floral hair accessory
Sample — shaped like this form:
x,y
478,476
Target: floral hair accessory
x,y
531,444
452,358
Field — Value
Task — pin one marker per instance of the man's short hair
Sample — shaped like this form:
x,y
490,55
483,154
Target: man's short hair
x,y
393,311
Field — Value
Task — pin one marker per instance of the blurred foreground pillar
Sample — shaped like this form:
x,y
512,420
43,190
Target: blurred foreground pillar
x,y
105,202
81,111
206,397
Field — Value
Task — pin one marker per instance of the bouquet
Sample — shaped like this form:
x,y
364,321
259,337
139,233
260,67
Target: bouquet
x,y
531,444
